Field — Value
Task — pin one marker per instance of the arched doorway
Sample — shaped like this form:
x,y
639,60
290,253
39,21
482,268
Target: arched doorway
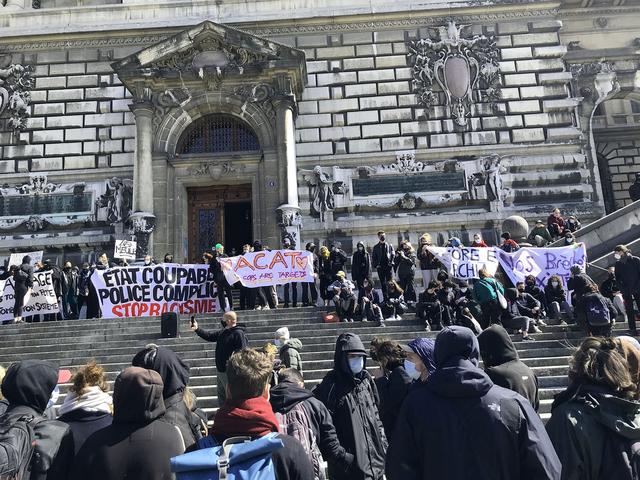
x,y
218,213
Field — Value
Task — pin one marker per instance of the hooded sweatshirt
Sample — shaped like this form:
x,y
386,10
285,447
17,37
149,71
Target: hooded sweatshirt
x,y
503,366
290,354
495,432
27,386
360,264
593,432
137,445
175,377
353,402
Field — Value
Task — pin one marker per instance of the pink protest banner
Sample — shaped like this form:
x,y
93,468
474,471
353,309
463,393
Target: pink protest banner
x,y
275,267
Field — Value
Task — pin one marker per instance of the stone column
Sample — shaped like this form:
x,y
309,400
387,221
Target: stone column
x,y
290,220
142,221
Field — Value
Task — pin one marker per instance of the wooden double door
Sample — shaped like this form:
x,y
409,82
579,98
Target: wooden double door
x,y
219,214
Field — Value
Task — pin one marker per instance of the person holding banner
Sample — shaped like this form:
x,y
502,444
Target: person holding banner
x,y
429,265
291,287
224,289
310,287
22,285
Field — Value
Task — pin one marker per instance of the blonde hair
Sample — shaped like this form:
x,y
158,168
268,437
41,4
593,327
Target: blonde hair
x,y
484,273
427,237
89,375
270,350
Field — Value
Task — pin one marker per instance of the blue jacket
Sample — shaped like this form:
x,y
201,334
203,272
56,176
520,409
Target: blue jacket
x,y
460,426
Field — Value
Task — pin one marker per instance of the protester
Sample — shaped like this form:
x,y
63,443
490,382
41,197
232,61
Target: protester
x,y
514,318
627,270
289,349
454,242
531,288
147,261
594,423
508,244
405,264
311,286
138,444
569,238
326,277
344,297
229,339
175,378
429,308
382,259
447,296
485,292
528,303
224,289
348,391
419,363
249,413
539,235
595,313
393,386
578,283
370,305
557,299
478,241
265,294
556,224
271,352
609,288
84,284
503,366
27,387
337,258
93,304
87,407
22,286
459,425
360,267
291,288
168,258
290,401
394,306
429,265
573,224
70,299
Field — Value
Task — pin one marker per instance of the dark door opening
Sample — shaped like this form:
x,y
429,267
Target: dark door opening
x,y
237,226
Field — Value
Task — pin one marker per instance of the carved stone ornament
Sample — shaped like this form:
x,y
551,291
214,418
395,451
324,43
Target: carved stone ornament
x,y
458,65
322,191
261,94
142,225
38,185
16,83
117,199
405,163
290,222
35,223
215,170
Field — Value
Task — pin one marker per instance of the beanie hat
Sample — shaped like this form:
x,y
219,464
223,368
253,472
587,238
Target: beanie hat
x,y
283,332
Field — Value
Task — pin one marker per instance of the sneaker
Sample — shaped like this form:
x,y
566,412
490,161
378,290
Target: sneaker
x,y
427,328
536,330
258,307
528,339
541,323
389,319
563,323
382,324
398,317
266,307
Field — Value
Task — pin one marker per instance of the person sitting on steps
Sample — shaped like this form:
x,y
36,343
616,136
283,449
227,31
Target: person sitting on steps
x,y
344,297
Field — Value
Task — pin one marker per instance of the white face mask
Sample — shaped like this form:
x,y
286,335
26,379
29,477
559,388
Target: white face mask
x,y
554,284
617,256
463,289
411,369
278,342
449,290
356,365
476,239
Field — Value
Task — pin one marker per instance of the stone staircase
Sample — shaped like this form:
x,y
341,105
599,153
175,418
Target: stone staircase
x,y
113,343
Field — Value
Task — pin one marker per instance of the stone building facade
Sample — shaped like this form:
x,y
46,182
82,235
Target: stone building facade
x,y
190,123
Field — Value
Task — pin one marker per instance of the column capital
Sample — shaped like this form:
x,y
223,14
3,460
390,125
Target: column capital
x,y
141,108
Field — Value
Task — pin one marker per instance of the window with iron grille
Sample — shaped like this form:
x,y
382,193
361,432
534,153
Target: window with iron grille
x,y
217,134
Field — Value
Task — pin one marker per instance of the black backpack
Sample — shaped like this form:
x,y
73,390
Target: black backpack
x,y
597,311
21,274
17,443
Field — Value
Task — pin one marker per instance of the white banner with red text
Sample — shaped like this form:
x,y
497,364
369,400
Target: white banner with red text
x,y
42,300
274,267
146,291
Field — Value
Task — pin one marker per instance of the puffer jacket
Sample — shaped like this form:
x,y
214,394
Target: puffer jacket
x,y
353,402
290,354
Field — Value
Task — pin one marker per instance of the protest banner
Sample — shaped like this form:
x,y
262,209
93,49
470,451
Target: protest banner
x,y
275,267
125,249
465,262
42,301
146,291
16,258
542,263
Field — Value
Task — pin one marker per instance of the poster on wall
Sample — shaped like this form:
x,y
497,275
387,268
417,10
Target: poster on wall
x,y
147,291
41,302
274,267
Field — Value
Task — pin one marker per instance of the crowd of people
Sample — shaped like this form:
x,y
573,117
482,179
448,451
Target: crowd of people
x,y
402,422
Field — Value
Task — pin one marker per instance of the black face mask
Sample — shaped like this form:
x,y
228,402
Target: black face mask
x,y
382,238
222,322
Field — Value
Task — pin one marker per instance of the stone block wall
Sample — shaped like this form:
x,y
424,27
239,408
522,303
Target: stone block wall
x,y
622,158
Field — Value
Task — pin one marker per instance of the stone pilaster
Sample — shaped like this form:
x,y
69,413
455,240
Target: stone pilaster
x,y
143,171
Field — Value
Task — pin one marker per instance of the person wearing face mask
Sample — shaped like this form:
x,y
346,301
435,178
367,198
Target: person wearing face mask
x,y
569,239
627,271
289,349
326,277
291,287
338,259
429,265
429,308
557,299
351,396
360,267
447,296
382,259
405,264
419,363
609,288
539,235
394,384
556,224
370,304
70,299
311,286
578,283
148,261
478,241
84,280
531,287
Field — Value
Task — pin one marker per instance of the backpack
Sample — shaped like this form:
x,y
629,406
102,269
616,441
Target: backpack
x,y
17,443
597,311
296,424
21,274
238,458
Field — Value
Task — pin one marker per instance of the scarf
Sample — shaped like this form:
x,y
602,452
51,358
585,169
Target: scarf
x,y
92,400
253,417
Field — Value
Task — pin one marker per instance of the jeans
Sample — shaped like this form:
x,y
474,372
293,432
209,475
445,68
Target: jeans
x,y
407,284
305,293
517,323
556,307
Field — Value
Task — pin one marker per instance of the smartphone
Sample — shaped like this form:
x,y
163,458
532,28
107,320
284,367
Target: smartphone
x,y
193,320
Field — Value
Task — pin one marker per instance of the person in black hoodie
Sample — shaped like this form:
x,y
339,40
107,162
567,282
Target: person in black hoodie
x,y
291,287
27,386
289,393
137,444
87,407
175,377
382,258
627,271
360,267
337,259
223,287
229,339
22,283
504,367
405,265
311,286
350,394
459,425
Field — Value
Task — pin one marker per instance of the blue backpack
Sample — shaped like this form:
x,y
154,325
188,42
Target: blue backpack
x,y
238,458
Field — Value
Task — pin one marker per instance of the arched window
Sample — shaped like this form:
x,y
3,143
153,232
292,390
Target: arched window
x,y
217,134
